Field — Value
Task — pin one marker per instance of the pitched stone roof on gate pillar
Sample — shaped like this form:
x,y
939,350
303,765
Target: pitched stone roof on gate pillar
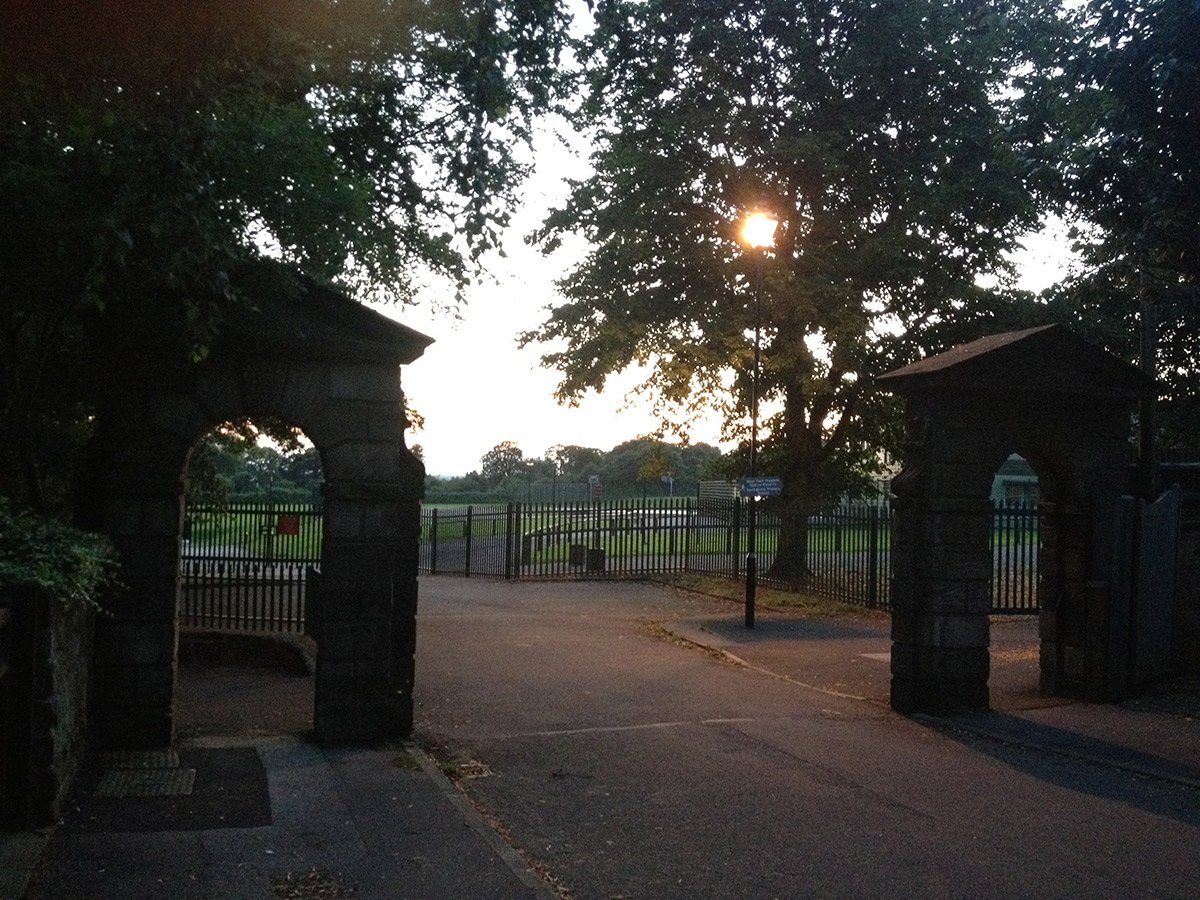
x,y
1048,359
295,316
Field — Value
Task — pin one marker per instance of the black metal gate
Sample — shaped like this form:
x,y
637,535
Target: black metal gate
x,y
1015,549
1154,539
246,567
847,550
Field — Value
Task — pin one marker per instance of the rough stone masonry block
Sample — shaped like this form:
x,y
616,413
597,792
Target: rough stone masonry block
x,y
363,461
1048,624
147,643
964,596
373,557
364,382
904,659
178,414
217,390
965,481
343,519
114,685
373,682
387,423
155,686
149,561
365,602
957,631
938,680
123,516
954,664
163,515
338,724
354,641
306,395
147,463
968,531
382,520
335,681
1073,661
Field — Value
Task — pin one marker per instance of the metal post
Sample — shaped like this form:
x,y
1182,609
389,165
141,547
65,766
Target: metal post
x,y
1148,352
873,557
508,542
467,529
752,538
433,542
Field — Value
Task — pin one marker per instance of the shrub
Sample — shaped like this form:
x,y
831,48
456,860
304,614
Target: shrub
x,y
68,564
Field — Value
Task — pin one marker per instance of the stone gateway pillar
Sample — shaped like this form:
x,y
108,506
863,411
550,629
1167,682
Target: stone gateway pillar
x,y
1066,407
312,358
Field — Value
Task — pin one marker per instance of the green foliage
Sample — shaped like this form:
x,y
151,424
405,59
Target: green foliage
x,y
151,150
875,132
69,565
635,468
1121,158
231,465
502,461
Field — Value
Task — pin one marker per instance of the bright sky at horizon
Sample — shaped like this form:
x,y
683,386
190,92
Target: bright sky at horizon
x,y
476,388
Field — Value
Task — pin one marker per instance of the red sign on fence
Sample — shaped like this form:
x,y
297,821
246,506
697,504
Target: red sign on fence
x,y
287,523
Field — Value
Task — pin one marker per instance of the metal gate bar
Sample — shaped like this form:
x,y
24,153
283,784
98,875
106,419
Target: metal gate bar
x,y
244,567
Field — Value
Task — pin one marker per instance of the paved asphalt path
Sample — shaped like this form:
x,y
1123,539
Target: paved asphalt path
x,y
628,764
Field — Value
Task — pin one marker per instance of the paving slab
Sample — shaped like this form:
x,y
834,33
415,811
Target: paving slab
x,y
362,822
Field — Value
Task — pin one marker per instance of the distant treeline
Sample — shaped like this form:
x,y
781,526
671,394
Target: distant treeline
x,y
233,467
236,466
643,467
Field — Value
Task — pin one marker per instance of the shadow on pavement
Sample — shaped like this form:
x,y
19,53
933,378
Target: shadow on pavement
x,y
849,656
243,685
228,790
1132,777
767,628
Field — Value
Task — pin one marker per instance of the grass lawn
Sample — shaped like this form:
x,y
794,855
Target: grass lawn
x,y
795,602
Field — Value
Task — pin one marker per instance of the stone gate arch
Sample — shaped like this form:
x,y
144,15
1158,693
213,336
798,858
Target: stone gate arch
x,y
1065,406
316,359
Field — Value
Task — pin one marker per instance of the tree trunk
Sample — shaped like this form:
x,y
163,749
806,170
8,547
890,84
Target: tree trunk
x,y
791,558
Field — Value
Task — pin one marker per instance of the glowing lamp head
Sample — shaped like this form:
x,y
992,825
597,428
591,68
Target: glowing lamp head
x,y
758,230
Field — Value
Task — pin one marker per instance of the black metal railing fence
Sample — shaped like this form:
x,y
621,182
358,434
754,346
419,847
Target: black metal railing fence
x,y
843,554
247,566
252,567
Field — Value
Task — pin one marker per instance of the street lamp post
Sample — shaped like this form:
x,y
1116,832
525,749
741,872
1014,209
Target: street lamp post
x,y
758,233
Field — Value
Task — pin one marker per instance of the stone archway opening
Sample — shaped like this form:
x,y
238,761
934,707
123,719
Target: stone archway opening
x,y
309,356
1014,645
250,556
1065,406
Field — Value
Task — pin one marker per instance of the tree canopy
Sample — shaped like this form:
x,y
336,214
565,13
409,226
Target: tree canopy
x,y
502,461
874,132
1121,114
232,465
150,149
643,466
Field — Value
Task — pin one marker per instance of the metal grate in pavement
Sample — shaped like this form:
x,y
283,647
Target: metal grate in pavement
x,y
145,773
146,783
142,759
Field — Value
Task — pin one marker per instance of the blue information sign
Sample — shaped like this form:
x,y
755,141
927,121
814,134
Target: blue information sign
x,y
761,486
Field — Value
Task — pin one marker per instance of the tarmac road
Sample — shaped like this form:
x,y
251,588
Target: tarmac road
x,y
631,765
636,742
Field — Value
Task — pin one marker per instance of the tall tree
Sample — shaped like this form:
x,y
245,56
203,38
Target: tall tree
x,y
502,461
1122,111
874,132
150,150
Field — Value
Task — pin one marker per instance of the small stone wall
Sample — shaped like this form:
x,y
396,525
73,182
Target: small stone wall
x,y
43,706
